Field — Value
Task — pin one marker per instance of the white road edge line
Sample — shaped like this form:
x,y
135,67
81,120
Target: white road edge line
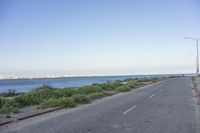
x,y
152,96
129,110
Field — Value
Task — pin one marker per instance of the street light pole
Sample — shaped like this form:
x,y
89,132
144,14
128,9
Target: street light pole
x,y
197,57
197,45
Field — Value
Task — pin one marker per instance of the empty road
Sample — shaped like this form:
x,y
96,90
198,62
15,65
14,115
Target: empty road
x,y
164,107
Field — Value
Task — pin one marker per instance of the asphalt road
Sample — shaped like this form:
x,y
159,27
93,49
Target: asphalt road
x,y
165,107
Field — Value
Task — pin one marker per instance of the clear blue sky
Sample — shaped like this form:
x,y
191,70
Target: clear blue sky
x,y
97,37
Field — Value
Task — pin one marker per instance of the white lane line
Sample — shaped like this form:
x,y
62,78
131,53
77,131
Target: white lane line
x,y
129,110
152,96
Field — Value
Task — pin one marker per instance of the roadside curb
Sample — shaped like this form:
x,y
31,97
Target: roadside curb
x,y
30,116
37,114
7,122
197,89
198,95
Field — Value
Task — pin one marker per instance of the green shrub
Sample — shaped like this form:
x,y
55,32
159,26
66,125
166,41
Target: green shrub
x,y
1,102
9,107
81,98
134,83
52,102
68,102
97,95
44,87
89,89
28,99
108,86
44,93
155,79
67,92
122,89
38,96
148,79
61,102
129,79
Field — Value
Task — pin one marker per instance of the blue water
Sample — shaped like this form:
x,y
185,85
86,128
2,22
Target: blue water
x,y
26,85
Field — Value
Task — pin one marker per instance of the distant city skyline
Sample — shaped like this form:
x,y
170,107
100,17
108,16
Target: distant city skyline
x,y
101,37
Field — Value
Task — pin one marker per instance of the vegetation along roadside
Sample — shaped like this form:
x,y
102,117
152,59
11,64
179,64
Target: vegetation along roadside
x,y
47,96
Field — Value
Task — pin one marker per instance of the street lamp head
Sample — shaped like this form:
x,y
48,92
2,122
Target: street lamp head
x,y
192,38
189,38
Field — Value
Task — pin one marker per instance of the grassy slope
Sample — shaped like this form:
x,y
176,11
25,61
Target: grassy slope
x,y
47,96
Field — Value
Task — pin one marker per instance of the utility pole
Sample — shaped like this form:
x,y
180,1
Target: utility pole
x,y
197,45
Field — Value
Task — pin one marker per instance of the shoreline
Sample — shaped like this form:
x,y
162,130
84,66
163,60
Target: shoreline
x,y
27,85
93,76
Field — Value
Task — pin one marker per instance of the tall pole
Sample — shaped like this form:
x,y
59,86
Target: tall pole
x,y
197,41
